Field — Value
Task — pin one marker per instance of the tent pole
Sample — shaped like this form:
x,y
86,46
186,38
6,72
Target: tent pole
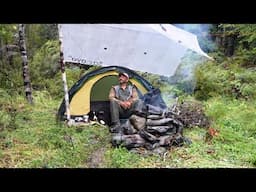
x,y
64,78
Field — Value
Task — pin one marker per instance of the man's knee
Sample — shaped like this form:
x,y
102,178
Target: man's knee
x,y
113,102
137,105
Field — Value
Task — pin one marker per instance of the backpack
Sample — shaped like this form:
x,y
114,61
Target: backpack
x,y
154,98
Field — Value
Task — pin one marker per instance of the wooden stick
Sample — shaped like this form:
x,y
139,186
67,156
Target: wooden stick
x,y
64,78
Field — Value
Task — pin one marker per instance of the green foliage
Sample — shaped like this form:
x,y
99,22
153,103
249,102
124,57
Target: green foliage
x,y
216,109
184,77
236,124
252,160
37,35
43,55
245,41
246,33
7,32
11,76
4,120
169,93
45,62
246,58
154,80
10,72
227,79
209,81
232,113
49,32
10,106
39,141
122,158
44,69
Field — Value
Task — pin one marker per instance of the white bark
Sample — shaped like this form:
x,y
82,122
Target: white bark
x,y
26,77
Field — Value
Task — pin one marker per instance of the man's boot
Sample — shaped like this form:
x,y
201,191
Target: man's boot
x,y
115,128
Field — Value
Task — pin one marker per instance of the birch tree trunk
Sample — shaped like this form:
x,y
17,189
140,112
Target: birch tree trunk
x,y
26,77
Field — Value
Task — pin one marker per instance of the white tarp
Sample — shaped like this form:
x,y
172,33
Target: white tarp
x,y
152,48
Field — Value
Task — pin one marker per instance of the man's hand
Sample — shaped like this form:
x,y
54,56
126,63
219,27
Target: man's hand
x,y
125,104
128,104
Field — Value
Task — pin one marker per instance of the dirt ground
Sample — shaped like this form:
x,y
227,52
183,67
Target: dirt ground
x,y
96,159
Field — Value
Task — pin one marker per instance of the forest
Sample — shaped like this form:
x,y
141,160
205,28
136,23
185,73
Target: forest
x,y
31,91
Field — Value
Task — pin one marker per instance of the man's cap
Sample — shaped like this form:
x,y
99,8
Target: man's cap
x,y
124,74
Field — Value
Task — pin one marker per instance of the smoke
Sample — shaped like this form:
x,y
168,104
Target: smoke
x,y
191,60
202,32
184,77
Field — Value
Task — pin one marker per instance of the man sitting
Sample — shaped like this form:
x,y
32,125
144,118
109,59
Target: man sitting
x,y
123,100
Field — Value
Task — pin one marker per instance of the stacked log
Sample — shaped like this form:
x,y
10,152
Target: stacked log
x,y
150,132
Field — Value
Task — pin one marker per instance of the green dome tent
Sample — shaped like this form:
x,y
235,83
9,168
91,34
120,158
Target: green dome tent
x,y
90,93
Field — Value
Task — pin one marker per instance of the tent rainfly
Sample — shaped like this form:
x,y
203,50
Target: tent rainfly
x,y
90,93
135,46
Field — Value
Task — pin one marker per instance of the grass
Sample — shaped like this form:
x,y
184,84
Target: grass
x,y
36,140
39,141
